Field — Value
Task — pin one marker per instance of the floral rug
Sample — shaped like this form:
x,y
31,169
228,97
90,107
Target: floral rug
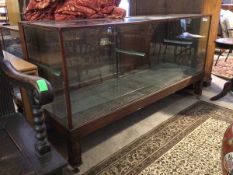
x,y
224,69
188,143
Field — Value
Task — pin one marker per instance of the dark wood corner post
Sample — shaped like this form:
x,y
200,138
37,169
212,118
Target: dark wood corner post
x,y
42,145
74,150
198,87
73,144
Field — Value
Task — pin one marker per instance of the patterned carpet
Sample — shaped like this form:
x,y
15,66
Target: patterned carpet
x,y
224,69
188,143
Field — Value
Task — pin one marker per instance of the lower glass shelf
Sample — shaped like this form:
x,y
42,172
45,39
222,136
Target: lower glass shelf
x,y
92,102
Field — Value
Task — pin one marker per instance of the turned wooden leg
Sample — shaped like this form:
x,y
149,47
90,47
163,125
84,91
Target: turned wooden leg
x,y
198,87
221,52
228,54
42,145
74,151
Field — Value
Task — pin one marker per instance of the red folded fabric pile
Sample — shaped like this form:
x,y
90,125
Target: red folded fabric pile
x,y
41,10
73,9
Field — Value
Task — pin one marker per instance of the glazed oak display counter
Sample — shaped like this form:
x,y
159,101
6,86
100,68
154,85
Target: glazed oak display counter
x,y
104,69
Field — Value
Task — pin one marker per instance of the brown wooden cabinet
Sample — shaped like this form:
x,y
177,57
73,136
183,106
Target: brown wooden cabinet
x,y
212,7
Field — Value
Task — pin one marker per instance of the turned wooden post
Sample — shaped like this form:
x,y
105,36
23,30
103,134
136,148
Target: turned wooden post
x,y
41,93
42,145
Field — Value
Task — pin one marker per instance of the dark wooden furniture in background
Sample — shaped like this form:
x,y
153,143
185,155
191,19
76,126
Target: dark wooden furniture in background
x,y
212,7
24,150
20,64
117,77
10,40
224,43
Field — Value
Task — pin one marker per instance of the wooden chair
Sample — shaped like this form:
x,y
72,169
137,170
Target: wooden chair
x,y
24,150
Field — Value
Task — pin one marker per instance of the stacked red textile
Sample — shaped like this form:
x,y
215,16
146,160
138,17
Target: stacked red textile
x,y
41,9
73,9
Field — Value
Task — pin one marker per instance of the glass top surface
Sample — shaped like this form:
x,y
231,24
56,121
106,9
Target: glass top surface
x,y
106,21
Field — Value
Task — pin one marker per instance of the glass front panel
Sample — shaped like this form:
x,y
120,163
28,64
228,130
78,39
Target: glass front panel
x,y
44,50
112,66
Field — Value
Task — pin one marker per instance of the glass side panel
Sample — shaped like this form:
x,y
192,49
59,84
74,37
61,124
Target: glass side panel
x,y
44,50
112,66
11,42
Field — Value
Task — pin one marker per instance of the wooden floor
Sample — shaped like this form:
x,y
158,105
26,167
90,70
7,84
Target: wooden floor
x,y
92,102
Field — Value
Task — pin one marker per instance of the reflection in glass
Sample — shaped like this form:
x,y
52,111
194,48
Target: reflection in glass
x,y
111,66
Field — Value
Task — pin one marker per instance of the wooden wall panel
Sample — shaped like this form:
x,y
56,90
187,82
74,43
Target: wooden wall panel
x,y
133,7
183,6
148,8
139,7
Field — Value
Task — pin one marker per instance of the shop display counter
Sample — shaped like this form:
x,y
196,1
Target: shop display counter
x,y
105,69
